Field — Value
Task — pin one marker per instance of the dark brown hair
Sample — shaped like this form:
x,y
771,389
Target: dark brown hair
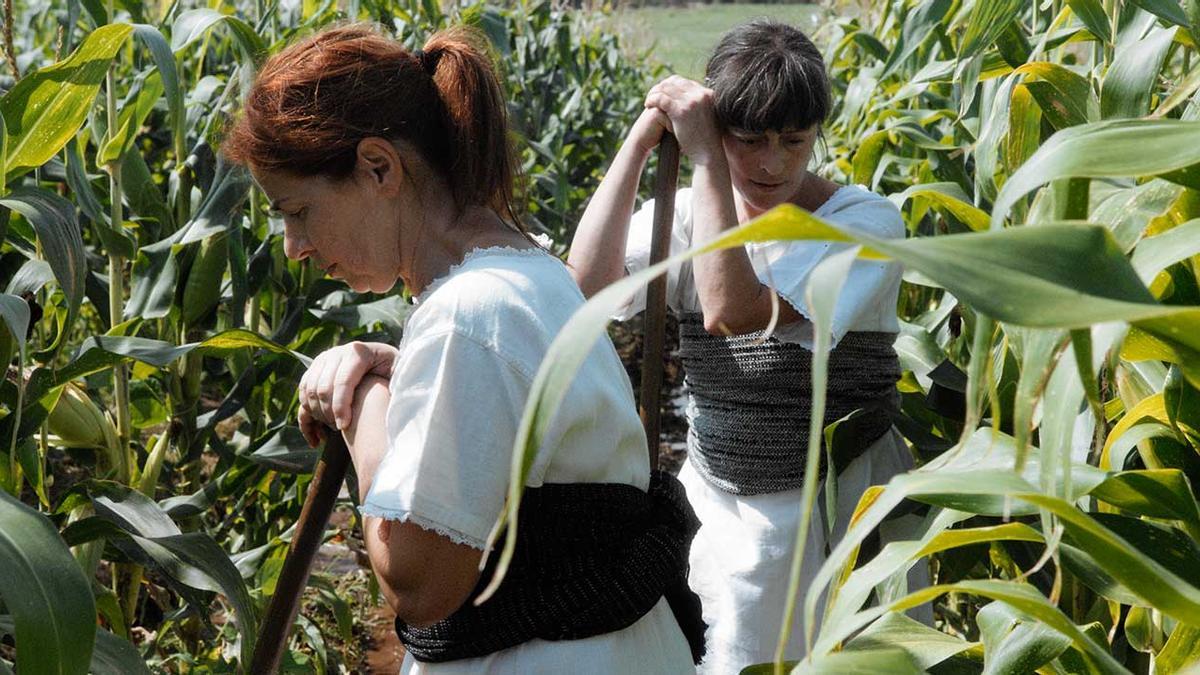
x,y
314,101
767,75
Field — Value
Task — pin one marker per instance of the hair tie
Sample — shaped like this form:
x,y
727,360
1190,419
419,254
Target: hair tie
x,y
423,59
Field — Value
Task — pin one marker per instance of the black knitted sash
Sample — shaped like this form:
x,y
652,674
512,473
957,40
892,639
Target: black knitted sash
x,y
750,400
591,558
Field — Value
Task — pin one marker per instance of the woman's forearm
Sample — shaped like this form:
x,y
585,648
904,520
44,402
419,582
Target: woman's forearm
x,y
366,437
597,256
732,298
423,575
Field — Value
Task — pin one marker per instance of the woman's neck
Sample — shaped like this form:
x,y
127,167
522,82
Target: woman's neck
x,y
440,248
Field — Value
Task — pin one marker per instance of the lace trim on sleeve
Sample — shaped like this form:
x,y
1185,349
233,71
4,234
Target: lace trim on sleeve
x,y
405,516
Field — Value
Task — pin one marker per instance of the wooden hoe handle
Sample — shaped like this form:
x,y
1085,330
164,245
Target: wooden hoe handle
x,y
654,326
306,540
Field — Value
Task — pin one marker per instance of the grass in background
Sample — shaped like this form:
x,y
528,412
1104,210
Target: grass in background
x,y
684,37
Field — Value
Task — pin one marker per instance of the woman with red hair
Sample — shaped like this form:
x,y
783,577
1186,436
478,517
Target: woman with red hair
x,y
394,165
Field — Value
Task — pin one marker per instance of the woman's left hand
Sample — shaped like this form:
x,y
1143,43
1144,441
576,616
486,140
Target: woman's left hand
x,y
326,390
693,118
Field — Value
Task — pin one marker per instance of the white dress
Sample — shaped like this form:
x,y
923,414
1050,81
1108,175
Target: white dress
x,y
458,388
741,557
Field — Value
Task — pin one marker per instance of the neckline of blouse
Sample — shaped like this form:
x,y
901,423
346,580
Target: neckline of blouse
x,y
472,255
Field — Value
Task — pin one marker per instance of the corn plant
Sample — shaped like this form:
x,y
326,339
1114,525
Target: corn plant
x,y
153,331
1045,158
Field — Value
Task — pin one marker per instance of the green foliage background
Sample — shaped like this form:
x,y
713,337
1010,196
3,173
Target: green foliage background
x,y
1045,157
155,331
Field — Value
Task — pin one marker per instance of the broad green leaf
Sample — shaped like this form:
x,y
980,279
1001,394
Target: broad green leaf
x,y
193,24
389,312
45,592
144,196
1163,493
155,277
1024,134
1133,76
1065,97
1021,596
192,559
1127,211
918,26
130,121
1085,569
1014,645
112,655
866,662
1154,254
866,158
951,198
111,350
992,132
81,187
1093,17
15,313
1138,629
1150,408
897,557
286,451
164,60
45,109
1104,149
1129,564
53,218
987,20
926,646
1167,10
116,656
1039,351
1182,651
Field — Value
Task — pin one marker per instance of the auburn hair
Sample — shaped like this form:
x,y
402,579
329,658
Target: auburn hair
x,y
313,102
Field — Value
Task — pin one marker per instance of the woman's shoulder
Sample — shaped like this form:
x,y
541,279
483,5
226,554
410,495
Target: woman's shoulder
x,y
498,296
860,208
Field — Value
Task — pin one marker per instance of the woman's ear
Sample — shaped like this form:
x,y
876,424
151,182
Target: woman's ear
x,y
380,163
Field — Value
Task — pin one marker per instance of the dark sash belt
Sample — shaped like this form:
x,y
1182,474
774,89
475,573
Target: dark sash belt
x,y
591,558
750,399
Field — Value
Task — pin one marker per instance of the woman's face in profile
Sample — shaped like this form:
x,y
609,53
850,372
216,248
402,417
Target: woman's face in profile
x,y
344,227
768,168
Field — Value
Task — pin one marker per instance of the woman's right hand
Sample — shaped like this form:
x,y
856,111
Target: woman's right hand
x,y
327,388
648,130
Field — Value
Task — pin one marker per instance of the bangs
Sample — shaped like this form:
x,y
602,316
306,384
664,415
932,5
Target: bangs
x,y
770,94
767,75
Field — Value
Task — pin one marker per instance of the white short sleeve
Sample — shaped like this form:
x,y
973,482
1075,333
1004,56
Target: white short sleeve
x,y
868,299
637,252
454,409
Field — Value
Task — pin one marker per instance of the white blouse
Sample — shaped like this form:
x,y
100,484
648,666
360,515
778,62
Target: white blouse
x,y
868,299
458,389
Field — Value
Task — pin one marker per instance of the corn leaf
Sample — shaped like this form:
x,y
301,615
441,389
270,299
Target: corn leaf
x,y
1131,80
53,218
1103,149
46,593
45,109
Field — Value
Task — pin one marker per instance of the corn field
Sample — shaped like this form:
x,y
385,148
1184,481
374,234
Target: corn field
x,y
154,331
1046,158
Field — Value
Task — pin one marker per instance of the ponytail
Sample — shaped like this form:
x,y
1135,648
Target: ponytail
x,y
482,169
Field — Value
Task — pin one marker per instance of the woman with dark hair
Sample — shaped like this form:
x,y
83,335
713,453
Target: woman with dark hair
x,y
750,130
394,165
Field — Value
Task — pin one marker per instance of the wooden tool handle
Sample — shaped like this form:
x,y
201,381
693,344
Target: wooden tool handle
x,y
276,624
656,293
